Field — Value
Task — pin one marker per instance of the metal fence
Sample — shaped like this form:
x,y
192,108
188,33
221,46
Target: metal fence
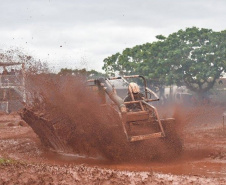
x,y
11,80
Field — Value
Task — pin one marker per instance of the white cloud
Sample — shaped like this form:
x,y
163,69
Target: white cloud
x,y
94,29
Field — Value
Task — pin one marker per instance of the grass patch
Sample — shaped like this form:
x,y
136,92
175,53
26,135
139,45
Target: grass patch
x,y
4,161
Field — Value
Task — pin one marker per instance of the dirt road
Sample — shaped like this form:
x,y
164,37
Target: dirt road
x,y
24,160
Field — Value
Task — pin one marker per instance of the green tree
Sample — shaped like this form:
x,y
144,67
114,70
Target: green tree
x,y
197,58
144,59
81,72
193,57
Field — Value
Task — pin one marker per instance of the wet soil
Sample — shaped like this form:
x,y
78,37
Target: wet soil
x,y
27,161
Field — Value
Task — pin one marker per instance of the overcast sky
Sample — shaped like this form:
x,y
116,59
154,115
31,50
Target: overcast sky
x,y
81,33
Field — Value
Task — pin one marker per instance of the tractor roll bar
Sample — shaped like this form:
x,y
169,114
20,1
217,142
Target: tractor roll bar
x,y
138,101
133,76
106,86
147,90
152,92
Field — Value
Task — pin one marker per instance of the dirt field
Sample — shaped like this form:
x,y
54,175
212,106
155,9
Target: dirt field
x,y
24,160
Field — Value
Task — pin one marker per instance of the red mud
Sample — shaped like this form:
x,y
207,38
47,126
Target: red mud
x,y
71,113
203,161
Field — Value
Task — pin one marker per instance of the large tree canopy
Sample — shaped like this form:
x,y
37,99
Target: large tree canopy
x,y
193,57
197,57
81,72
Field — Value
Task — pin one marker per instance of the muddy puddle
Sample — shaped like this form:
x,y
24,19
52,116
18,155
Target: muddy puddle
x,y
195,163
87,129
204,156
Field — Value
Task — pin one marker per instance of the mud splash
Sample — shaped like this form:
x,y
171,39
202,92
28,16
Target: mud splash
x,y
68,117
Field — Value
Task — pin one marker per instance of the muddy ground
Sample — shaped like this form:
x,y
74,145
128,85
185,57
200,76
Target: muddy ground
x,y
24,160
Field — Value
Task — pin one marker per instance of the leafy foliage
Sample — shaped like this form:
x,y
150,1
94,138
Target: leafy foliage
x,y
197,57
81,72
4,161
193,57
